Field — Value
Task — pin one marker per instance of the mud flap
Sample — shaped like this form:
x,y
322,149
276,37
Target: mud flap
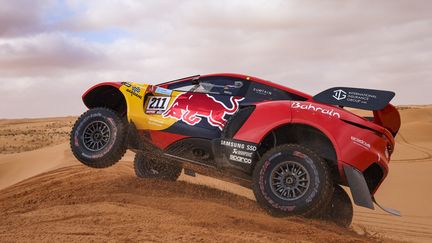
x,y
388,210
359,189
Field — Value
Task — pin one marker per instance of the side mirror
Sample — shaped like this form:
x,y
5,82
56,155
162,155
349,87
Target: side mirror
x,y
238,84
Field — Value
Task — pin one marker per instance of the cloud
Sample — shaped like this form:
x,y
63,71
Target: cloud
x,y
21,17
47,53
309,45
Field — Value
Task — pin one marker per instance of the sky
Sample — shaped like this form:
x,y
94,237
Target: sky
x,y
52,51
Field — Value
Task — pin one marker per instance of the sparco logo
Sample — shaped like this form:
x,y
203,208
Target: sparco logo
x,y
330,112
339,94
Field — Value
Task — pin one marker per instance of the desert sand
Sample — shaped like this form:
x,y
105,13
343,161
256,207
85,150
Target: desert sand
x,y
46,195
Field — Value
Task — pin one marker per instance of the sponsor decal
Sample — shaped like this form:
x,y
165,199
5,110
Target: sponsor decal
x,y
240,159
232,144
357,97
299,154
238,145
339,94
239,151
192,108
275,155
127,84
353,96
157,104
163,91
262,91
302,106
155,122
242,153
360,142
134,91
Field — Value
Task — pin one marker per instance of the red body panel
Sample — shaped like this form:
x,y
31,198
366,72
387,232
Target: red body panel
x,y
389,118
264,119
114,84
163,139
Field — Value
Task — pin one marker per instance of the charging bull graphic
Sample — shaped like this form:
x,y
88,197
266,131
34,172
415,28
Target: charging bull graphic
x,y
191,108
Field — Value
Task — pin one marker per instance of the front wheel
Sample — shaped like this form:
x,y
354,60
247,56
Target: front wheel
x,y
99,138
147,167
292,180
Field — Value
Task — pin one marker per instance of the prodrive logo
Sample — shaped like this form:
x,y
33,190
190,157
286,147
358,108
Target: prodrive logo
x,y
330,112
361,142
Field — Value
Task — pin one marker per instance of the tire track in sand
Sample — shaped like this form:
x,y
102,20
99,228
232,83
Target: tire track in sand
x,y
425,151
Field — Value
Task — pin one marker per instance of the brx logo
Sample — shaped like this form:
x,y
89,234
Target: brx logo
x,y
339,94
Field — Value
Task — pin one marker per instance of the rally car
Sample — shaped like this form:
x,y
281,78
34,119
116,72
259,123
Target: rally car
x,y
294,150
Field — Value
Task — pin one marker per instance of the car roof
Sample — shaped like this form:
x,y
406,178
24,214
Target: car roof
x,y
241,76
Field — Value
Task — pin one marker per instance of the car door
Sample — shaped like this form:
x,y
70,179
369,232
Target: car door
x,y
205,105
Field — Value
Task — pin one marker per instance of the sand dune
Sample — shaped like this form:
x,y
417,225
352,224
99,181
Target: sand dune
x,y
82,204
408,184
17,167
20,135
58,199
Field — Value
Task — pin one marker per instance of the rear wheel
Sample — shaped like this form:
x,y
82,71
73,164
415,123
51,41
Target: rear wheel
x,y
292,180
340,209
146,167
98,138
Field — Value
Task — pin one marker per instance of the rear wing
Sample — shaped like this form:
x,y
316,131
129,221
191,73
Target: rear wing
x,y
378,101
365,99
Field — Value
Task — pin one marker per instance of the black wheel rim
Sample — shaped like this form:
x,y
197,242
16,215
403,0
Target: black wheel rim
x,y
96,136
289,180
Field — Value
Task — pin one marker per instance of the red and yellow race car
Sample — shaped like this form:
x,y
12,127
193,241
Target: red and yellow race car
x,y
292,149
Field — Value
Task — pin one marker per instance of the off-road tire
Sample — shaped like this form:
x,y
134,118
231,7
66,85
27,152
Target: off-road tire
x,y
340,209
115,143
309,203
148,167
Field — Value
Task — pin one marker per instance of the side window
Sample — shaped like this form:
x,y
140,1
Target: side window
x,y
182,86
259,92
222,85
185,88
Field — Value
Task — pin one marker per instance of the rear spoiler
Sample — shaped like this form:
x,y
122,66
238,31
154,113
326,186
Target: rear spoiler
x,y
365,99
378,101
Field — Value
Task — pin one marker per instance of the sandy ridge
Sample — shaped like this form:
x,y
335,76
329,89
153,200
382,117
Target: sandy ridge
x,y
58,199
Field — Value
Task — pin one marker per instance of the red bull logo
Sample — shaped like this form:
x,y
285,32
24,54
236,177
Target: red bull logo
x,y
192,108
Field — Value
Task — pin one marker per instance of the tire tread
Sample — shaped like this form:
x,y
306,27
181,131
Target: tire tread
x,y
320,204
119,148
